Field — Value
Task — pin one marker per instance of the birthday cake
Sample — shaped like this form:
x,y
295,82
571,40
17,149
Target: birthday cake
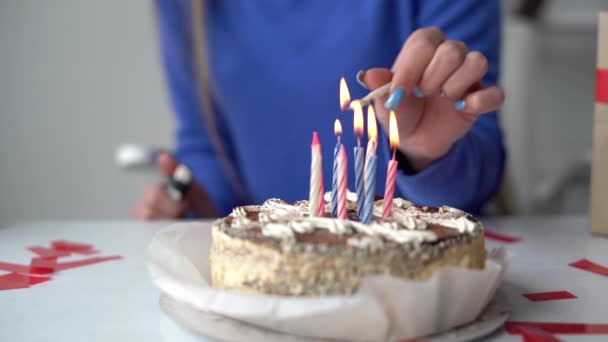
x,y
277,248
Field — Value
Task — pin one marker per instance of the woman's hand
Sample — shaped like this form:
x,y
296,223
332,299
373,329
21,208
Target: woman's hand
x,y
436,93
156,204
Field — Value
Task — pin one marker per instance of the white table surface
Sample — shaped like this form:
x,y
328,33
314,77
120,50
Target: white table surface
x,y
116,301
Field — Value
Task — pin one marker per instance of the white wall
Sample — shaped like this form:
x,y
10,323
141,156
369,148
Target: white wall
x,y
76,79
549,78
79,77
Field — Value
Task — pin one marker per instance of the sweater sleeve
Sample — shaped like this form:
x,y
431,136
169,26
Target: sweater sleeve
x,y
193,147
471,172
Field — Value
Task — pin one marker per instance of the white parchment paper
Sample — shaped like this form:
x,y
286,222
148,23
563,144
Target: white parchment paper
x,y
384,307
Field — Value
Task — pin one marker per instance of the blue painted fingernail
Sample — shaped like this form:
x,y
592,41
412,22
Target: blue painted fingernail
x,y
417,92
360,75
394,100
459,105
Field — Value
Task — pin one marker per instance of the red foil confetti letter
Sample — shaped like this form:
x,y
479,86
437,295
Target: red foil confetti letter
x,y
513,327
589,266
531,334
44,252
554,295
43,265
38,280
501,237
17,268
601,85
13,281
74,247
23,276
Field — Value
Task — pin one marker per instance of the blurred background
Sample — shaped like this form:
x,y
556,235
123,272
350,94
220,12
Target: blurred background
x,y
80,77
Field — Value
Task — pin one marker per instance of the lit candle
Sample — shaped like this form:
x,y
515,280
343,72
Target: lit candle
x,y
359,158
342,184
391,175
316,203
344,103
370,167
334,183
344,95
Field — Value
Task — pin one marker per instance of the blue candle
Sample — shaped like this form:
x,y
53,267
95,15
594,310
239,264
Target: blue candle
x,y
359,156
370,167
334,182
359,163
370,189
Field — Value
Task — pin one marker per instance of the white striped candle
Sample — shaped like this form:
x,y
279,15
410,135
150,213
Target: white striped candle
x,y
391,174
334,183
316,203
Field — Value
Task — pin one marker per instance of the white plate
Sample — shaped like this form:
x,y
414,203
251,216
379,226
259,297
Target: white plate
x,y
384,307
222,328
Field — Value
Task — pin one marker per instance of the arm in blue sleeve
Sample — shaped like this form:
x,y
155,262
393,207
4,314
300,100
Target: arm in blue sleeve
x,y
193,147
471,172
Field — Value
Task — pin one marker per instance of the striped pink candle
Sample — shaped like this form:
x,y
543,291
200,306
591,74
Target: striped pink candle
x,y
389,189
391,174
321,207
316,202
342,184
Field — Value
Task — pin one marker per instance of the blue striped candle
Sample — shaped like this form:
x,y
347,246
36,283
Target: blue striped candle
x,y
359,164
370,188
359,155
334,180
371,162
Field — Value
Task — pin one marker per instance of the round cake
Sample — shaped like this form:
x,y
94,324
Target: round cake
x,y
277,248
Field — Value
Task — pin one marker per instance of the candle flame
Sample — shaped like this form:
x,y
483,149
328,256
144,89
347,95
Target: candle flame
x,y
356,105
372,129
337,128
393,131
344,95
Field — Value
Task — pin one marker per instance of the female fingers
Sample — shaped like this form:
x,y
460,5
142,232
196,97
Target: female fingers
x,y
166,163
448,58
156,197
408,117
484,101
142,212
469,73
374,78
156,204
415,56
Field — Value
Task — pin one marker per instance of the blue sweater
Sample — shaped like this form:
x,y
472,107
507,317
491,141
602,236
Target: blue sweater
x,y
275,68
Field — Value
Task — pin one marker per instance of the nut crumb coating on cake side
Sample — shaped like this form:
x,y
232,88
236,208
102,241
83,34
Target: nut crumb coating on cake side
x,y
277,248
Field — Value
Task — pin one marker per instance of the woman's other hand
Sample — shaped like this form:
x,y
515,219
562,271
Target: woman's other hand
x,y
156,204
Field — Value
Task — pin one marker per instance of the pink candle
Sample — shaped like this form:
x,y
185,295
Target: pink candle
x,y
389,190
391,175
316,203
342,184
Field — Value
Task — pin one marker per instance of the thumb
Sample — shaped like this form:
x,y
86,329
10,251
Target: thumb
x,y
375,78
166,163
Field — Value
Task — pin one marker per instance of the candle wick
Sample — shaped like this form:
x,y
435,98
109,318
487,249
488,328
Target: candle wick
x,y
394,153
359,141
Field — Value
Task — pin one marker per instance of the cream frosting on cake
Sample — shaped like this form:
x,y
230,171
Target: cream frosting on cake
x,y
277,248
